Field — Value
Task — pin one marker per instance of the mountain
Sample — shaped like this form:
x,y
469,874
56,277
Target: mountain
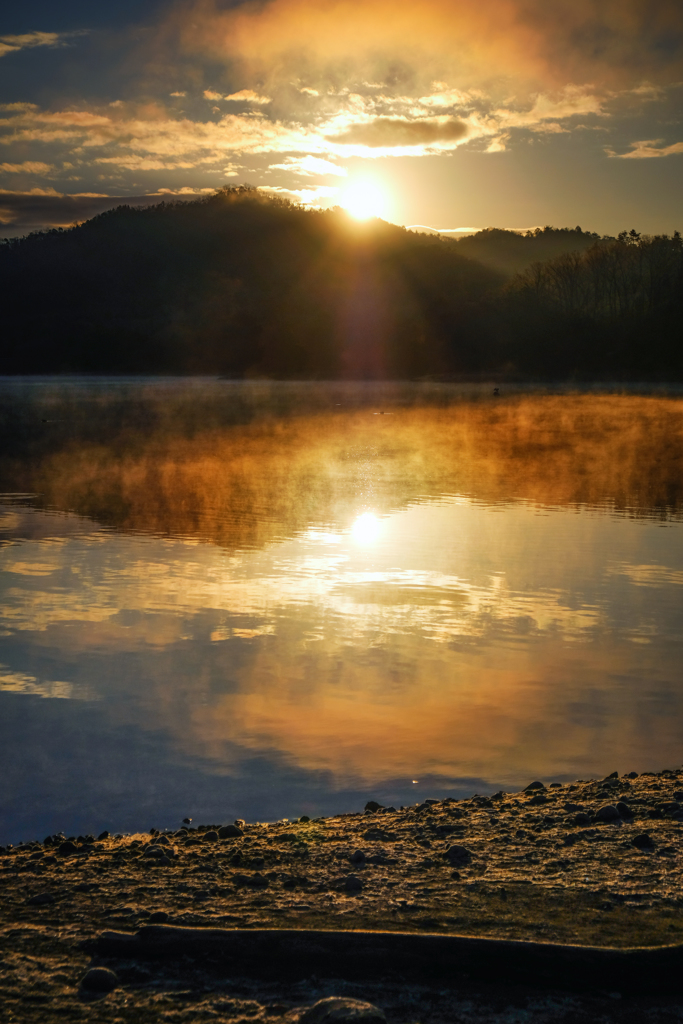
x,y
239,283
242,284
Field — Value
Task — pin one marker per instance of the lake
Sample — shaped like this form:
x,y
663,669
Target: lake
x,y
261,600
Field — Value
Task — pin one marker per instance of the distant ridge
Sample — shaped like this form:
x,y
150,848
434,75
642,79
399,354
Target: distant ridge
x,y
443,231
469,231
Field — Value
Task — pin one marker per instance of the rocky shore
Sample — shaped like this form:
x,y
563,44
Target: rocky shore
x,y
593,863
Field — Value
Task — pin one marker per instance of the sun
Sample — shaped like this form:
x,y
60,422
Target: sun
x,y
363,199
366,528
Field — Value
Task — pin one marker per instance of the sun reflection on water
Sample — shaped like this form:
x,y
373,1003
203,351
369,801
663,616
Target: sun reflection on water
x,y
366,528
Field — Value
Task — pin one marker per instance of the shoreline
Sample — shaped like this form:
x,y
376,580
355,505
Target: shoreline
x,y
562,864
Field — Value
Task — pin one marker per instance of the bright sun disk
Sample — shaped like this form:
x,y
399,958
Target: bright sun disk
x,y
363,200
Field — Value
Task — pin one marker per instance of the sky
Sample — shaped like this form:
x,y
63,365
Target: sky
x,y
458,114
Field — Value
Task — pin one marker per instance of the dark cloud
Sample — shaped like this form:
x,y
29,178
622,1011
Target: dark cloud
x,y
23,212
395,131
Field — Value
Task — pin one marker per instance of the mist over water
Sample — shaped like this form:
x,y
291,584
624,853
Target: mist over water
x,y
224,599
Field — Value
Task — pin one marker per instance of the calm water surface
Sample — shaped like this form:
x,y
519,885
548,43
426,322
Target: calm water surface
x,y
218,651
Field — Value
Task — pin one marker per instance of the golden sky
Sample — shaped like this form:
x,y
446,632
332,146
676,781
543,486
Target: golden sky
x,y
462,113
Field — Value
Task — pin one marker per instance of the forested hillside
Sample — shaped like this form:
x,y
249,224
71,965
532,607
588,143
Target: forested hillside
x,y
242,284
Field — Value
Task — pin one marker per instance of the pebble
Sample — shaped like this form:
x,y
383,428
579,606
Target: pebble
x,y
608,812
67,847
99,979
643,841
229,832
154,851
158,917
335,1010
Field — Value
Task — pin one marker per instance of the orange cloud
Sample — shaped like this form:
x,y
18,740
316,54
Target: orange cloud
x,y
397,131
609,42
647,149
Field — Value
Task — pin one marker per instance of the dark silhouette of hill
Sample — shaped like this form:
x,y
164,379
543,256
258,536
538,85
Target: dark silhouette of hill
x,y
241,284
510,252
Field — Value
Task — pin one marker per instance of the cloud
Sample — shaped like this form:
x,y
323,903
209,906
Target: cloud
x,y
29,40
647,149
611,43
28,167
305,196
391,132
149,138
247,96
308,166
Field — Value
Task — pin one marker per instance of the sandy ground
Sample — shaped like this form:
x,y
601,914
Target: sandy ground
x,y
593,863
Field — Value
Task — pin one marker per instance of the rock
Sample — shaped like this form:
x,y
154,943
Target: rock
x,y
352,883
99,979
358,857
240,822
162,841
582,819
608,812
458,855
154,851
67,848
335,1010
158,917
631,775
624,810
40,899
571,807
372,805
612,775
210,837
540,798
229,832
102,836
534,785
304,818
643,841
187,821
296,882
